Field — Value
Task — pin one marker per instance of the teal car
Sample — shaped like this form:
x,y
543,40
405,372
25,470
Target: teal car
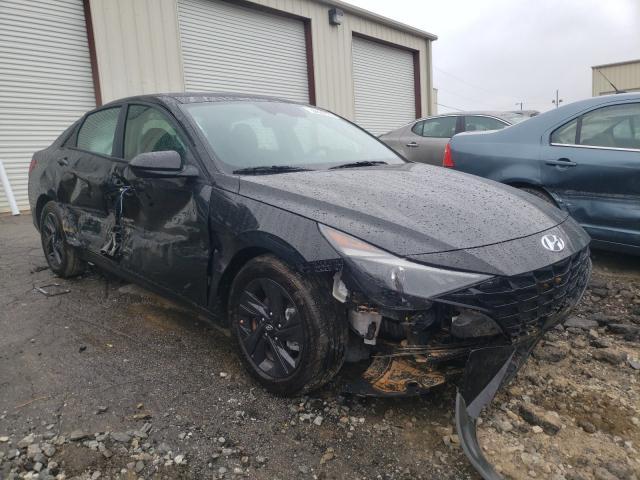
x,y
583,157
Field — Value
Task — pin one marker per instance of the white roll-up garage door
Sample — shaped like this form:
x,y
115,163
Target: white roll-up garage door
x,y
227,48
384,86
45,81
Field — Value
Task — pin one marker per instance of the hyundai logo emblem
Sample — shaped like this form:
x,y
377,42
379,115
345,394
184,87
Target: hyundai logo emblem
x,y
553,243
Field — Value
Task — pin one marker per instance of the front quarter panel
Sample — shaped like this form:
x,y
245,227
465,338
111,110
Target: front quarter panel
x,y
240,224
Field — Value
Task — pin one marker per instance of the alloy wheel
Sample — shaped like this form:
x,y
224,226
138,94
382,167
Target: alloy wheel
x,y
270,329
52,241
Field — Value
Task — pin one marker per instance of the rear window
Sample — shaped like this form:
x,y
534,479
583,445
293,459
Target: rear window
x,y
616,126
98,131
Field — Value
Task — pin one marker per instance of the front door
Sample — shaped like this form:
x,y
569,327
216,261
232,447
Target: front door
x,y
592,164
166,237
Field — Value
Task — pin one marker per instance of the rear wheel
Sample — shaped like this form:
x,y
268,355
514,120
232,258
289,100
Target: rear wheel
x,y
63,259
288,330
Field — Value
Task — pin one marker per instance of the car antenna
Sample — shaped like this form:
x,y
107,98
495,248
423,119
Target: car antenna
x,y
610,82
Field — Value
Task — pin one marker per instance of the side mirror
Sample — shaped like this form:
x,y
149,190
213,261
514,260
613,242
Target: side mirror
x,y
161,164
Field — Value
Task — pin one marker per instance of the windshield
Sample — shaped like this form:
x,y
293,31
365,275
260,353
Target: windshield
x,y
249,134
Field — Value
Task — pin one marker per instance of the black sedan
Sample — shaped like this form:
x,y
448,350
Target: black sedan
x,y
583,157
316,241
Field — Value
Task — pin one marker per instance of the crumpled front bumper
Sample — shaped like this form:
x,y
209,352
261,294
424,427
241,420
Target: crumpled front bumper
x,y
525,307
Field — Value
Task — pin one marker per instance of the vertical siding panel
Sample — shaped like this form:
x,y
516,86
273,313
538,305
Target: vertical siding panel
x,y
145,54
625,77
174,60
137,46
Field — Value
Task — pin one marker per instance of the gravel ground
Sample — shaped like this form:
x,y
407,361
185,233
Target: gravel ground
x,y
110,381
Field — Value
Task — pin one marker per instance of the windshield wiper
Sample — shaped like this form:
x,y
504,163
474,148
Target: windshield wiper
x,y
365,163
266,170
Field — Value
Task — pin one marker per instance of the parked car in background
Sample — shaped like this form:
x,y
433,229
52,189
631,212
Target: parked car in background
x,y
583,157
424,140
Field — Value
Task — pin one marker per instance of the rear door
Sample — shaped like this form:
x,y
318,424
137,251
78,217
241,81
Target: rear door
x,y
88,164
426,140
592,163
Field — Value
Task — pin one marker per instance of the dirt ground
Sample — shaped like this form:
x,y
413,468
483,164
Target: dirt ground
x,y
109,381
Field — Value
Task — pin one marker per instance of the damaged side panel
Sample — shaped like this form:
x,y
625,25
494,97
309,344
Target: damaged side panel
x,y
164,235
84,188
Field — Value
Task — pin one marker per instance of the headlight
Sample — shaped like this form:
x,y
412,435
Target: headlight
x,y
376,268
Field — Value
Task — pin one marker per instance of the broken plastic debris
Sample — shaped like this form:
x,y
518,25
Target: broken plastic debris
x,y
52,289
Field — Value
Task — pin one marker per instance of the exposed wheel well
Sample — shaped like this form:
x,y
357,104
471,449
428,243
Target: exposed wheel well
x,y
237,262
42,201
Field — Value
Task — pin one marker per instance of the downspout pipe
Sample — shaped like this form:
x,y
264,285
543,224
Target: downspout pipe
x,y
7,190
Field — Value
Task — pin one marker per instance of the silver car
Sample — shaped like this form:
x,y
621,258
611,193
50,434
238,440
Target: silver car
x,y
424,140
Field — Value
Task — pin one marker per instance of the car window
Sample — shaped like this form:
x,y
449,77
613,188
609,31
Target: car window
x,y
617,126
418,128
98,131
566,134
479,124
442,127
148,130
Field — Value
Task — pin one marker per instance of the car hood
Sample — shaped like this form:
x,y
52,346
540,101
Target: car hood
x,y
407,209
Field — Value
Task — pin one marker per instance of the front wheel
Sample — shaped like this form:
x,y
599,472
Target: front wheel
x,y
63,259
291,336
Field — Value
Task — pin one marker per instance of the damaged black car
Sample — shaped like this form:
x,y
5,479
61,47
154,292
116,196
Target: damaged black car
x,y
315,242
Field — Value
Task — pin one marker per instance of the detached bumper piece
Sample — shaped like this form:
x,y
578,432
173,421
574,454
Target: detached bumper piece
x,y
486,371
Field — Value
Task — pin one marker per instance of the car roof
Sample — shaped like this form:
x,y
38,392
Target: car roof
x,y
200,97
573,109
487,113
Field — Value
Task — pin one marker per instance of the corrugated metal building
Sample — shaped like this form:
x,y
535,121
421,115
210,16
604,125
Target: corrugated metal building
x,y
59,58
624,75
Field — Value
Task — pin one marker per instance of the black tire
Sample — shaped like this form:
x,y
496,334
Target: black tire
x,y
320,325
542,195
63,259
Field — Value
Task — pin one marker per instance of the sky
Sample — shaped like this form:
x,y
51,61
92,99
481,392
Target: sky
x,y
492,54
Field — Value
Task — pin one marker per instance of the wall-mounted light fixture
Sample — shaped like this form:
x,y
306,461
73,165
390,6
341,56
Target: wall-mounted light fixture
x,y
335,16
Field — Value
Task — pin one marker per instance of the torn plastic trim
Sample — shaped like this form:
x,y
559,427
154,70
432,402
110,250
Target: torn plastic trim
x,y
473,395
340,291
467,433
486,371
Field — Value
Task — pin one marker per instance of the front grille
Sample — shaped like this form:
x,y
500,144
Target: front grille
x,y
521,304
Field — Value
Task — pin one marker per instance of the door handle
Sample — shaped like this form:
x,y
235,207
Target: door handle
x,y
412,144
561,162
63,162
